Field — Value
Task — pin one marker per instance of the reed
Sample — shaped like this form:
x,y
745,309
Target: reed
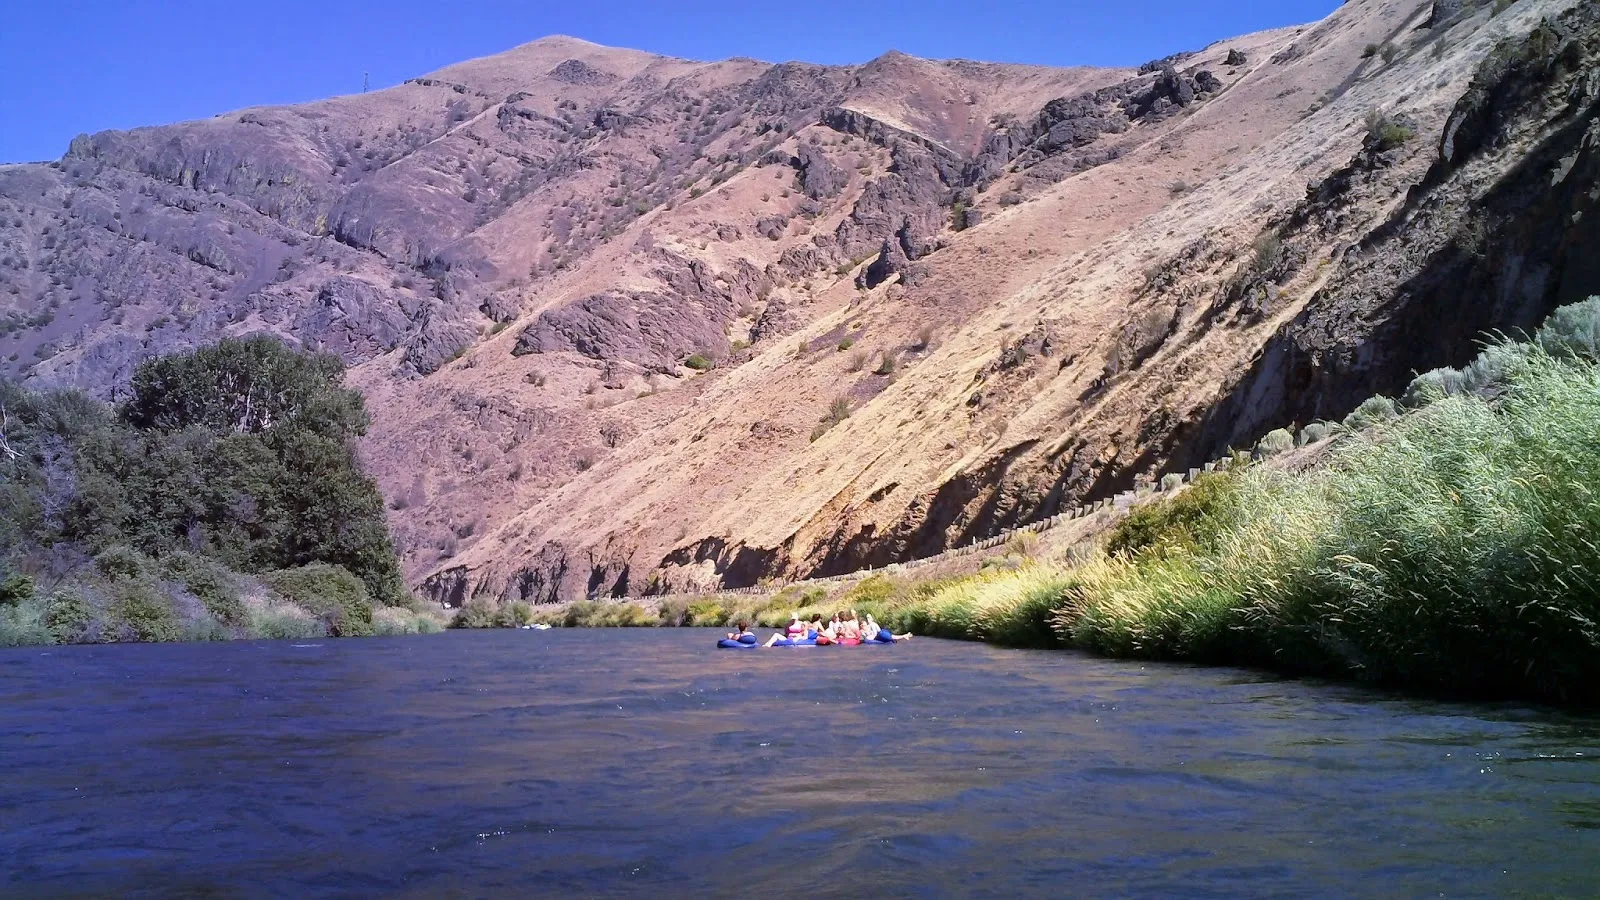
x,y
1452,548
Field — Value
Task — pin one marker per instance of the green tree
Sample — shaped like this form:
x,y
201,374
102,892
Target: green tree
x,y
242,452
250,385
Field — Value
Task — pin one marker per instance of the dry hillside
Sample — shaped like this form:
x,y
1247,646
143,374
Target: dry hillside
x,y
629,324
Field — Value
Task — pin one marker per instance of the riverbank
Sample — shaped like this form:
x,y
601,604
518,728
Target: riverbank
x,y
124,596
1445,543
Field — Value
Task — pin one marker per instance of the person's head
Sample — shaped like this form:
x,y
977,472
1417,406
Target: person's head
x,y
816,617
743,627
852,615
869,619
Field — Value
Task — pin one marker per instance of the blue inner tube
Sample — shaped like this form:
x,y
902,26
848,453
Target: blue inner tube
x,y
786,642
884,637
731,644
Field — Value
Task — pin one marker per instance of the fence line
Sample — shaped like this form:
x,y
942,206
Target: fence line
x,y
1121,500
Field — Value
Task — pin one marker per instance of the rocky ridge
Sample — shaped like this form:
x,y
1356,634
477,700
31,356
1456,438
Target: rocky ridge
x,y
632,324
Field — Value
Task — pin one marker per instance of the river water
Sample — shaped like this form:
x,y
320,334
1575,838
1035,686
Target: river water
x,y
643,762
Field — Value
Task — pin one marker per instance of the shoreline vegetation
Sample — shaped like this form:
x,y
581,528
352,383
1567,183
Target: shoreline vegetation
x,y
1448,542
222,499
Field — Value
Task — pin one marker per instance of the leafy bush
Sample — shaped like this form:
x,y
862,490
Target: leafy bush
x,y
1433,385
394,620
140,612
699,362
278,620
478,612
250,386
886,365
672,612
25,623
208,580
331,593
125,562
70,615
706,612
1191,518
16,589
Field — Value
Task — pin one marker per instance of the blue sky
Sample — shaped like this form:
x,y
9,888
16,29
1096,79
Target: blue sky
x,y
85,65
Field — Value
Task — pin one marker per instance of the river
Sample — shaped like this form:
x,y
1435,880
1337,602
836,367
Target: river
x,y
644,762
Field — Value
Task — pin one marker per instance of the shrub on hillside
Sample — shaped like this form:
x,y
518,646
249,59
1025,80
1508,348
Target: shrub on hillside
x,y
1274,442
1192,517
870,593
1372,411
838,411
1572,332
1385,132
1022,544
1316,431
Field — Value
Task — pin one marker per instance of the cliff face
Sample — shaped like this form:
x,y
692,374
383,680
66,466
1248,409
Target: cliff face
x,y
1500,230
628,323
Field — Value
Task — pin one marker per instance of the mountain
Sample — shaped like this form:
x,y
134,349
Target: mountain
x,y
627,323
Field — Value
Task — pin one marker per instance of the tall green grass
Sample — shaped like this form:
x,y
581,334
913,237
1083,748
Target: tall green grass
x,y
1452,548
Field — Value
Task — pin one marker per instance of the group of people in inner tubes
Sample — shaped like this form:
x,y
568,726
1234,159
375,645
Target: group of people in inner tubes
x,y
844,629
